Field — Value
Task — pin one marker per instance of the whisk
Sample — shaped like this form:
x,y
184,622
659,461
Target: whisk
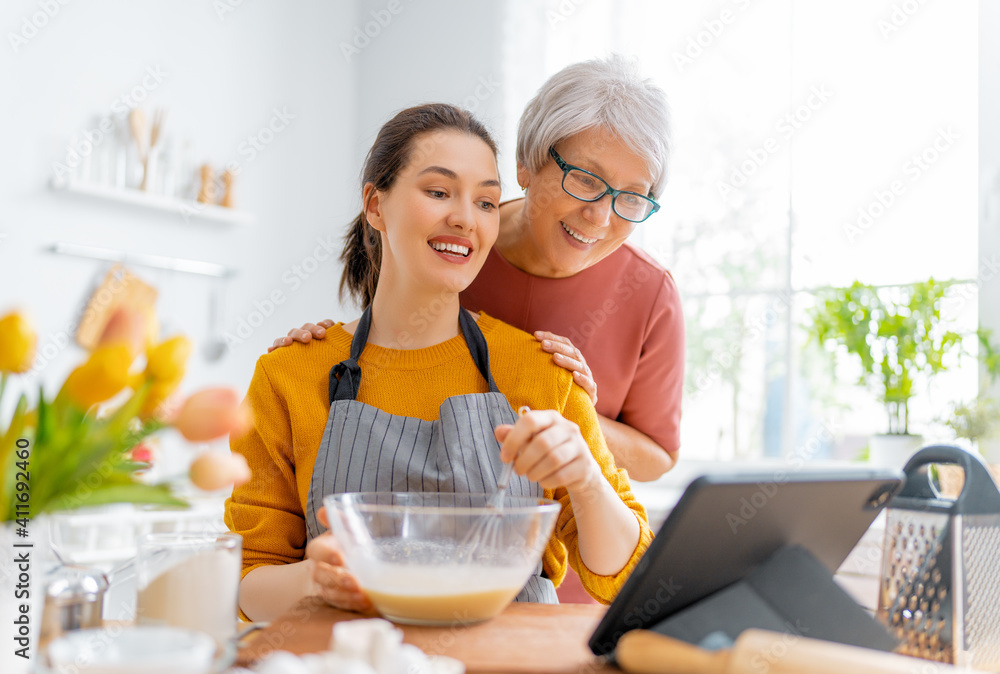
x,y
485,532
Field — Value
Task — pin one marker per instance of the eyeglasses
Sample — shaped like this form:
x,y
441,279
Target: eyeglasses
x,y
586,186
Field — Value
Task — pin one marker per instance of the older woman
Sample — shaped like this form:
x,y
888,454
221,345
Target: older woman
x,y
592,152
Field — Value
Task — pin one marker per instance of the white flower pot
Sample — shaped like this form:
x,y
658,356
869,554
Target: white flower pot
x,y
990,449
893,451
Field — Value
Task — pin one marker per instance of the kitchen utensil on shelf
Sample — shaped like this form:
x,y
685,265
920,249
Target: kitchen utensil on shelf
x,y
227,201
119,287
487,528
215,345
149,158
122,141
206,193
940,582
405,549
646,652
137,126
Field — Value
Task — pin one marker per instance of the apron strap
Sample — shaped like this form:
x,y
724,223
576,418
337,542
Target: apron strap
x,y
345,376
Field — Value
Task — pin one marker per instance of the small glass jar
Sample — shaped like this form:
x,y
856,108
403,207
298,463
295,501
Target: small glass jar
x,y
74,600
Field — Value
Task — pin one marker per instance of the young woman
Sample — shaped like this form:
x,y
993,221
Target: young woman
x,y
421,377
563,270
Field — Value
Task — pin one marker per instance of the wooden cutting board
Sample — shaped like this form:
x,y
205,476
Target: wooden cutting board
x,y
525,639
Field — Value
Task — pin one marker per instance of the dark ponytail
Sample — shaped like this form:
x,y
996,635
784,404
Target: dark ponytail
x,y
362,258
391,152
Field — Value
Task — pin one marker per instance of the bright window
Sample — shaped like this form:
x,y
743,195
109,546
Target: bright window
x,y
814,144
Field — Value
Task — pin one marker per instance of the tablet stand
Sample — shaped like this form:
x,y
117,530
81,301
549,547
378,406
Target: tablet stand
x,y
792,593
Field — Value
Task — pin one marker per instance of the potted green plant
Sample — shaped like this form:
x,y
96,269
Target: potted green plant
x,y
899,339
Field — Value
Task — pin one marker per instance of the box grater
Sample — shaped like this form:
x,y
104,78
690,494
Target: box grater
x,y
939,589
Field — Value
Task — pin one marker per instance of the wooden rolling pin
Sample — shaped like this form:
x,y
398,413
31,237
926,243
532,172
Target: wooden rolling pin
x,y
762,652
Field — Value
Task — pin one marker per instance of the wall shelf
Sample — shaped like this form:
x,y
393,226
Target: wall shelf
x,y
183,209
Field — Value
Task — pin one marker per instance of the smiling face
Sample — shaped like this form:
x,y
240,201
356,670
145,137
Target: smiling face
x,y
440,218
562,235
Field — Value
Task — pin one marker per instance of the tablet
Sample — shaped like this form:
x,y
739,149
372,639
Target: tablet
x,y
725,525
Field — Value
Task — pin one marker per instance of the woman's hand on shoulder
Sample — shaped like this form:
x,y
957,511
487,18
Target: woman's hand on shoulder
x,y
567,356
331,581
305,334
548,449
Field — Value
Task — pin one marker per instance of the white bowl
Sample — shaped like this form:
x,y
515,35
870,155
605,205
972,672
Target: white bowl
x,y
133,650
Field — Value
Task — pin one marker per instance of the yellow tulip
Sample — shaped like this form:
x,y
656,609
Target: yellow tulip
x,y
157,403
17,343
103,375
165,361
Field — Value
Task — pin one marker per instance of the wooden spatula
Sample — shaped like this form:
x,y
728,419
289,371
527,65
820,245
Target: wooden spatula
x,y
757,651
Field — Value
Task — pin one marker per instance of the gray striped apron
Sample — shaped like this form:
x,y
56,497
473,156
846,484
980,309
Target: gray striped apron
x,y
366,449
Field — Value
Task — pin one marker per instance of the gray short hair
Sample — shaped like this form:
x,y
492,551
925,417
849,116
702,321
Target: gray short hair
x,y
607,93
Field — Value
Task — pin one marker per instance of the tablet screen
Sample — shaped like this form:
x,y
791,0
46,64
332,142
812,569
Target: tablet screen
x,y
725,525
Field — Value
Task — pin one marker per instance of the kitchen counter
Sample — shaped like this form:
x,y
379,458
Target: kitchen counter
x,y
524,639
536,638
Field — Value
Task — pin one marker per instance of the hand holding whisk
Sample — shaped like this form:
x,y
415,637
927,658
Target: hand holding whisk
x,y
485,531
496,500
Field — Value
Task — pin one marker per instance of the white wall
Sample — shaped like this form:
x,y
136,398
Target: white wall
x,y
989,169
340,68
224,73
449,53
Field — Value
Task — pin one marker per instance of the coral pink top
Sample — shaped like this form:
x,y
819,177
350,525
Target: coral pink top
x,y
623,313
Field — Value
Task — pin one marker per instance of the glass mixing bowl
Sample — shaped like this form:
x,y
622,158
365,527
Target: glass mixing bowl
x,y
440,559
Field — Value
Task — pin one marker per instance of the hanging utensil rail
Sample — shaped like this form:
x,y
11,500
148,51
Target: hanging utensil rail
x,y
143,260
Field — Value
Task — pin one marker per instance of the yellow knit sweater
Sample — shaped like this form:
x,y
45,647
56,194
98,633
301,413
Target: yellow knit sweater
x,y
289,397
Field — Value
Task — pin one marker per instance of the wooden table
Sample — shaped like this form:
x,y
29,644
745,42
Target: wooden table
x,y
526,638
